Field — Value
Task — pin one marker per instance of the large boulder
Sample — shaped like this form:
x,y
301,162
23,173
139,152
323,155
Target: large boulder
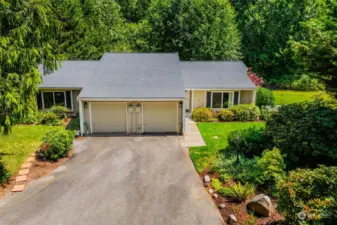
x,y
261,205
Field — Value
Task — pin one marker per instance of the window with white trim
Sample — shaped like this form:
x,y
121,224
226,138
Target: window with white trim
x,y
52,98
222,99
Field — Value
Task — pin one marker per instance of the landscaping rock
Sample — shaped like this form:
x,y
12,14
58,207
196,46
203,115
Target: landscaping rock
x,y
261,205
207,179
210,191
222,206
232,219
215,196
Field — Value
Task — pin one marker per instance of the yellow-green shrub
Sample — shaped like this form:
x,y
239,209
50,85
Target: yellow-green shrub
x,y
202,115
226,115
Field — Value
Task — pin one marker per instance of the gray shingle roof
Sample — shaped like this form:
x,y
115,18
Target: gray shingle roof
x,y
215,75
122,75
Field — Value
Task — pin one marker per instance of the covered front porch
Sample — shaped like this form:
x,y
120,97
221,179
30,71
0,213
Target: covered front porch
x,y
217,99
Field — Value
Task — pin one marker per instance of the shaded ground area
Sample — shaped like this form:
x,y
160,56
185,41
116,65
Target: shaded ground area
x,y
116,180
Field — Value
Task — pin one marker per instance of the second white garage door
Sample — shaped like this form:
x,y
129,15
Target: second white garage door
x,y
160,117
108,117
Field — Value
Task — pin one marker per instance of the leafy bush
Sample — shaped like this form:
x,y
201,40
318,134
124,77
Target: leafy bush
x,y
226,192
268,111
226,115
268,169
264,97
251,141
239,192
305,132
48,118
308,196
307,83
216,184
60,111
4,174
225,177
245,112
56,145
202,114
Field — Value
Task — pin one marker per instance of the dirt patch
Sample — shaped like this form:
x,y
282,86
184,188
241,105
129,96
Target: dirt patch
x,y
240,209
38,169
66,122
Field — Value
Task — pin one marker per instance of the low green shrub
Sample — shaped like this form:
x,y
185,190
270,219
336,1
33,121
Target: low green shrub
x,y
4,174
251,141
60,111
56,145
226,192
216,184
307,83
202,114
48,118
268,169
267,112
226,115
245,112
264,97
305,133
309,196
225,177
240,113
239,192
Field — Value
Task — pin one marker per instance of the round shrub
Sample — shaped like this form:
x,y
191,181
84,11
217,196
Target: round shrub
x,y
56,145
309,196
306,133
226,115
4,174
245,112
48,118
307,83
251,141
264,97
202,114
240,113
60,111
268,111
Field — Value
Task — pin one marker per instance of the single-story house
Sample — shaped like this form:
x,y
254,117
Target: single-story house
x,y
143,92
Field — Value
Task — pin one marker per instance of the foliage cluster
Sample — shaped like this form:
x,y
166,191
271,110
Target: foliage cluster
x,y
264,97
56,145
4,174
202,115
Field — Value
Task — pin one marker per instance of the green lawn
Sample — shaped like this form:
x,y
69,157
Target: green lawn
x,y
283,97
24,140
203,156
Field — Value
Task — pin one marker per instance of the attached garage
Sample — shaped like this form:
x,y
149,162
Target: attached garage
x,y
159,117
108,117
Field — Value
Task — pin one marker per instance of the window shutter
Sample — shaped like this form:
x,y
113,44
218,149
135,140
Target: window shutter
x,y
68,97
208,99
39,100
236,98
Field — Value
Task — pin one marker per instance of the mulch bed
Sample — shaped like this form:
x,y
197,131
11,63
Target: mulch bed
x,y
240,209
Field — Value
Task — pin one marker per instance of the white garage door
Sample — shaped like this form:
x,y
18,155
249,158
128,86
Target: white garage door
x,y
160,117
108,117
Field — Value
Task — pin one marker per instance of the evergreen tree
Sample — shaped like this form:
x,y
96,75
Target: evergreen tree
x,y
198,29
27,29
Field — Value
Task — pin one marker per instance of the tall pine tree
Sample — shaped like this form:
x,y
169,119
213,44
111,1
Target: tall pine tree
x,y
27,29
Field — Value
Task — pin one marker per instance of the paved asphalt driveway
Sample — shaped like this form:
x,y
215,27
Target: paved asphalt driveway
x,y
116,180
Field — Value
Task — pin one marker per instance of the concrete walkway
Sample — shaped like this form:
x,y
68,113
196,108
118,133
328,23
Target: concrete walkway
x,y
192,136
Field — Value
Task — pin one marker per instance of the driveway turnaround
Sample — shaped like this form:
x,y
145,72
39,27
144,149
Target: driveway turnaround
x,y
144,180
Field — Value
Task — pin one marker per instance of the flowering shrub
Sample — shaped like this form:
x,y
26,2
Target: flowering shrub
x,y
309,196
258,81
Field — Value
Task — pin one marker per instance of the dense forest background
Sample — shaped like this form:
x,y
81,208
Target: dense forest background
x,y
282,40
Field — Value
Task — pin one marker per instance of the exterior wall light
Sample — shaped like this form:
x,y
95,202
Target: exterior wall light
x,y
138,108
130,108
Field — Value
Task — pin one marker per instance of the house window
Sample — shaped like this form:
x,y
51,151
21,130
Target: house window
x,y
51,98
221,100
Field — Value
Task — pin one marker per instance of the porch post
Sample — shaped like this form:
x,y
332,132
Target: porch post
x,y
254,96
183,117
192,100
81,117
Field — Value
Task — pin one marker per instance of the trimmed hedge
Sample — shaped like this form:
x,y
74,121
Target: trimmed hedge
x,y
60,111
226,115
245,112
48,118
202,115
